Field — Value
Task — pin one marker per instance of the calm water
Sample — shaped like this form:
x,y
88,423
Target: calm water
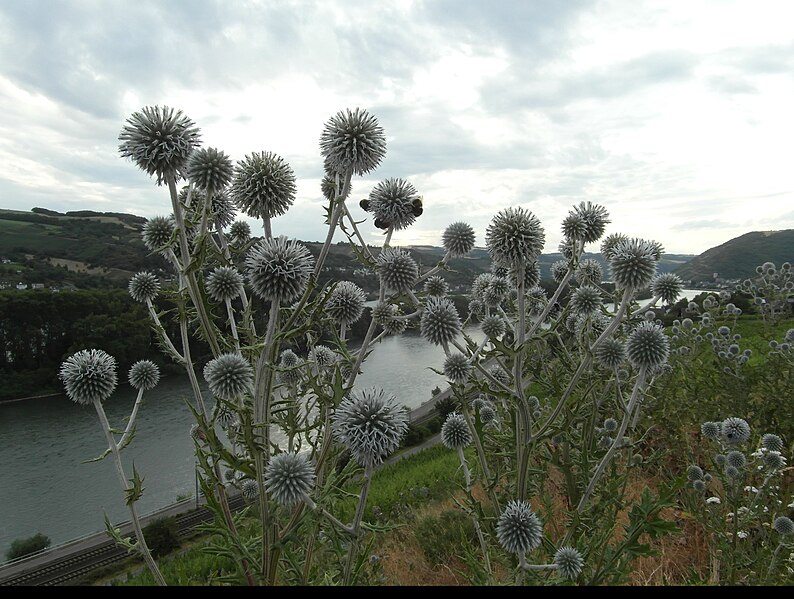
x,y
45,488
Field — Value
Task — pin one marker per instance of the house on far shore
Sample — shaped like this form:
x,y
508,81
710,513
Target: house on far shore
x,y
22,286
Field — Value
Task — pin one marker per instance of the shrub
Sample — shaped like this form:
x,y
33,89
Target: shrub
x,y
162,536
442,537
23,547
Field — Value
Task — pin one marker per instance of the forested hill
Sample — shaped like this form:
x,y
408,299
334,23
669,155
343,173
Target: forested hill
x,y
738,258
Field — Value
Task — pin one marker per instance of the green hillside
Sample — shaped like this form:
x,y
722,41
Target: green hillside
x,y
737,258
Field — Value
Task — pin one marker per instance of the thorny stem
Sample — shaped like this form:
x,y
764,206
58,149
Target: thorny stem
x,y
232,324
480,537
647,307
131,422
550,304
356,527
163,335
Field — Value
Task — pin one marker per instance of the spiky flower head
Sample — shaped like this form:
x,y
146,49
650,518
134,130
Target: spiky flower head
x,y
397,270
694,473
158,232
531,275
436,286
240,232
352,141
290,364
586,300
589,272
88,376
322,356
209,169
610,425
440,322
558,270
711,430
263,185
144,374
596,219
329,189
569,562
224,283
736,459
383,312
633,263
455,432
783,525
279,269
288,477
720,459
395,326
735,431
487,414
609,244
222,210
457,368
610,353
394,203
493,326
370,424
699,485
774,460
480,283
229,376
519,530
668,286
224,416
159,140
574,227
144,286
249,489
346,303
458,239
772,442
499,374
515,236
647,346
732,471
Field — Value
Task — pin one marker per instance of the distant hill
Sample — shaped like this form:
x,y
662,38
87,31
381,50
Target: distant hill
x,y
737,258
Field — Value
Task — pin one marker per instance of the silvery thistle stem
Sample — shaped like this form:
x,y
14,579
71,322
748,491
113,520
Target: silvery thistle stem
x,y
163,335
638,385
136,524
337,212
550,304
232,324
191,373
524,418
356,526
478,445
435,269
357,232
772,562
388,237
650,305
342,331
131,423
331,518
480,537
267,228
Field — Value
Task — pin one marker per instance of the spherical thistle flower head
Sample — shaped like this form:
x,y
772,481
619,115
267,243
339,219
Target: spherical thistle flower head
x,y
531,275
370,424
328,187
596,218
224,283
774,460
159,140
352,141
288,477
610,425
229,376
668,286
263,185
457,368
458,239
574,227
436,286
731,471
249,489
158,232
633,263
480,283
711,430
397,270
735,431
493,326
493,296
699,485
772,442
720,459
383,312
499,374
586,300
487,414
209,169
609,244
558,270
783,525
144,374
519,530
144,286
322,356
455,432
279,269
647,346
569,562
514,236
694,473
346,303
240,231
396,326
290,364
222,210
393,202
589,272
440,322
88,376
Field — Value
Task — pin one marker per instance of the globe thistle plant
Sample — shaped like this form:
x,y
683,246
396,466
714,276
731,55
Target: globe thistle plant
x,y
783,525
487,414
633,263
610,425
370,424
397,270
144,287
222,210
569,562
89,376
493,326
558,270
519,530
457,368
209,169
458,239
647,346
383,312
595,217
440,323
346,303
288,478
322,356
735,431
278,269
394,203
240,232
514,236
574,227
159,140
249,489
586,300
589,272
531,275
736,459
774,460
158,232
711,430
263,185
772,442
352,141
694,473
144,375
436,286
455,433
395,326
610,243
667,286
224,283
290,367
229,376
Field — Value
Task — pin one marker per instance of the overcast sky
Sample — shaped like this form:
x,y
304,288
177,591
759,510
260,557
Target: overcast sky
x,y
678,116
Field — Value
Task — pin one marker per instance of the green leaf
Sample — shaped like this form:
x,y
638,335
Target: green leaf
x,y
98,458
135,492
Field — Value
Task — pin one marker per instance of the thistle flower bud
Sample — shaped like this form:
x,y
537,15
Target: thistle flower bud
x,y
458,239
720,459
558,270
772,442
610,425
589,272
519,530
531,275
158,232
569,562
647,346
224,283
290,364
322,356
229,376
288,477
610,243
455,432
783,525
586,300
240,232
668,286
595,217
699,485
457,368
249,489
383,312
144,374
487,414
610,353
514,236
574,227
88,376
392,202
397,270
774,460
144,286
440,322
493,326
436,286
346,303
352,141
209,169
279,269
694,473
